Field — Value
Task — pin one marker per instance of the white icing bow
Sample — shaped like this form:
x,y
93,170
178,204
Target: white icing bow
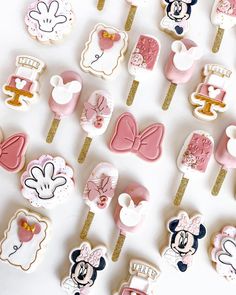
x,y
191,225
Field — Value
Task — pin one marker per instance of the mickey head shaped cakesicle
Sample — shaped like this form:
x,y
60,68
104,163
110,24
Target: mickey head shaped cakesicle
x,y
95,118
193,158
98,192
134,5
64,98
224,17
225,155
180,66
129,214
142,62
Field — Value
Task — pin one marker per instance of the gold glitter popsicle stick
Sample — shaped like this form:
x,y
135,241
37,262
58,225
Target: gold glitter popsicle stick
x,y
181,190
219,181
169,96
132,93
53,130
218,40
84,150
87,225
118,248
130,19
100,4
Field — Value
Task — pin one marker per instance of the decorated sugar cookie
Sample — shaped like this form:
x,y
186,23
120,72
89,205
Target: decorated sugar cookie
x,y
47,181
223,253
185,233
25,240
23,86
48,21
210,96
177,16
142,281
64,98
86,263
104,51
130,213
95,118
98,192
13,149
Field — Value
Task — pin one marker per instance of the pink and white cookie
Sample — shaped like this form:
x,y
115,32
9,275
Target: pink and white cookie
x,y
22,87
210,96
127,138
25,240
95,118
47,181
130,213
64,98
99,191
223,253
12,151
193,158
143,61
104,51
48,21
185,233
142,280
86,263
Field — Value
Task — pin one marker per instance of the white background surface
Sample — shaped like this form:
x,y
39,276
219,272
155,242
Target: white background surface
x,y
161,178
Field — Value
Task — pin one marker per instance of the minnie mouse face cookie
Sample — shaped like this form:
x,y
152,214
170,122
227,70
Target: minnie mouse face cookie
x,y
47,181
185,234
85,265
49,21
25,240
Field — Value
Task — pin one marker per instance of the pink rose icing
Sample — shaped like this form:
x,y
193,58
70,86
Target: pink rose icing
x,y
227,7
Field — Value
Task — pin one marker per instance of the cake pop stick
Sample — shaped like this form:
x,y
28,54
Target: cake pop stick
x,y
100,4
95,118
224,17
64,98
132,12
225,155
180,66
142,62
129,213
193,158
98,192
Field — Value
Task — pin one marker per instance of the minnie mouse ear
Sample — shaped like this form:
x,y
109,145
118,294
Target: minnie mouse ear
x,y
231,131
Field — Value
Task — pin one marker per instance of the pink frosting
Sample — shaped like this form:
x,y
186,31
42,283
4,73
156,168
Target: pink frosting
x,y
138,193
227,7
172,73
61,110
204,90
222,155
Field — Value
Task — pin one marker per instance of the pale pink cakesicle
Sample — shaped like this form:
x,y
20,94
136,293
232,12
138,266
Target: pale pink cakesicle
x,y
225,155
95,118
142,62
180,66
98,192
193,158
130,213
134,5
64,98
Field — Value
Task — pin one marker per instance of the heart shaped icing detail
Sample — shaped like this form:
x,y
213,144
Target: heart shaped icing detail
x,y
213,93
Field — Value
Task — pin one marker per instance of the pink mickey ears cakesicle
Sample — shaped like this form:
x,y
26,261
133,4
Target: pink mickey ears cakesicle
x,y
127,138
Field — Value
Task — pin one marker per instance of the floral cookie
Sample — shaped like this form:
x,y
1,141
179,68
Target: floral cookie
x,y
85,265
48,21
185,233
223,253
25,240
47,181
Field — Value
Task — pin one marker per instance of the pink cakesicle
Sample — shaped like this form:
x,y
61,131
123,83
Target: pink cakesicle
x,y
180,66
130,213
193,158
95,118
98,192
225,155
12,151
142,62
64,98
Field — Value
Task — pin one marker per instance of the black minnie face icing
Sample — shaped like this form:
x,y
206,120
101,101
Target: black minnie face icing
x,y
82,274
179,10
183,243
